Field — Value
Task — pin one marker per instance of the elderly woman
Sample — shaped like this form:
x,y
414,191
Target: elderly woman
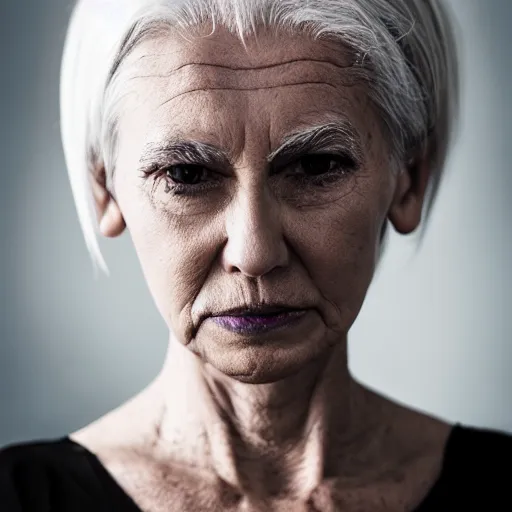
x,y
257,151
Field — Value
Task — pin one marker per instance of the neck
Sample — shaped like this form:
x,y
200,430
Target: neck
x,y
299,430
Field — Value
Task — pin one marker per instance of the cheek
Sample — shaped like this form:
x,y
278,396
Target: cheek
x,y
175,257
343,242
336,244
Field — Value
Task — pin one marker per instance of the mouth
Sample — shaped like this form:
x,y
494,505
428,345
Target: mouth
x,y
258,311
255,321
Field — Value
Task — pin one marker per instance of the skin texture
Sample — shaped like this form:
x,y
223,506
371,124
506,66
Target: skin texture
x,y
271,421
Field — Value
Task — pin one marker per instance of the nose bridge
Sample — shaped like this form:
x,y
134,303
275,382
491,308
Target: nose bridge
x,y
255,241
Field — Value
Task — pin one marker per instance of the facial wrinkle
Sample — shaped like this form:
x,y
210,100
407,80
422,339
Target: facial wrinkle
x,y
192,77
258,389
240,68
244,89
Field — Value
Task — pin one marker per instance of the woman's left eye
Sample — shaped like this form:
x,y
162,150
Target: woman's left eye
x,y
186,174
323,165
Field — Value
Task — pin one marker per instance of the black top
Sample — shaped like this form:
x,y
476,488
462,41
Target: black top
x,y
60,475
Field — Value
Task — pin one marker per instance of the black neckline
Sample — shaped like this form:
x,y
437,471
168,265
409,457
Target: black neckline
x,y
114,493
120,498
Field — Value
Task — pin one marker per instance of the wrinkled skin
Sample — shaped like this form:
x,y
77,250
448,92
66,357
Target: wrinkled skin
x,y
254,237
261,233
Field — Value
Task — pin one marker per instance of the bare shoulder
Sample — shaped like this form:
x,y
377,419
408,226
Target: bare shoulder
x,y
125,426
413,445
422,430
154,482
421,440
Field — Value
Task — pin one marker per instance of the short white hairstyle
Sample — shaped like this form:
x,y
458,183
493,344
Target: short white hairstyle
x,y
405,52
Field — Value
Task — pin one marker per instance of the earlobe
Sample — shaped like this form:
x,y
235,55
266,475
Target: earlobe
x,y
406,209
110,218
112,222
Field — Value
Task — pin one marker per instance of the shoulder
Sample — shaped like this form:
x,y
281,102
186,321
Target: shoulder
x,y
470,445
28,457
477,467
34,475
21,466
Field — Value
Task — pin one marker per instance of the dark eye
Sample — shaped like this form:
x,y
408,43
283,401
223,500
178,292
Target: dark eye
x,y
185,174
316,165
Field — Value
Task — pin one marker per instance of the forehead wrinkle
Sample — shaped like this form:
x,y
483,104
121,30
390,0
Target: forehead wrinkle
x,y
240,68
204,89
210,74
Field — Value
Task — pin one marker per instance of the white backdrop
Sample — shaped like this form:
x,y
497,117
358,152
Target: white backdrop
x,y
435,331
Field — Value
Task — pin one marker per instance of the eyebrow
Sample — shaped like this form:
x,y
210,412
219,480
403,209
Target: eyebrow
x,y
185,151
333,136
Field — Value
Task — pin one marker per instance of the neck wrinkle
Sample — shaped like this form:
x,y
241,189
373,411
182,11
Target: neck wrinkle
x,y
246,467
323,416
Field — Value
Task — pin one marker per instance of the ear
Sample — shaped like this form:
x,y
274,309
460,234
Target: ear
x,y
411,185
109,215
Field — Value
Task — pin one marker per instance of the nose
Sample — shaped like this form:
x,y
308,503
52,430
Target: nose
x,y
255,244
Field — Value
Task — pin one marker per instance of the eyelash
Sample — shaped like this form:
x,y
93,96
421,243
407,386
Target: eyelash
x,y
345,164
177,189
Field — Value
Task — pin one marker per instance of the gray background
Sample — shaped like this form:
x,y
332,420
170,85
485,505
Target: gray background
x,y
435,331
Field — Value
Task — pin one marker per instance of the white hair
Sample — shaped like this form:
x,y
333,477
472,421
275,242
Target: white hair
x,y
404,50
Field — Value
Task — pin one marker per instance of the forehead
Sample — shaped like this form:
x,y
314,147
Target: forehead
x,y
213,88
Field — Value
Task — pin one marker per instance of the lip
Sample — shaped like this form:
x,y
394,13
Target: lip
x,y
259,309
254,324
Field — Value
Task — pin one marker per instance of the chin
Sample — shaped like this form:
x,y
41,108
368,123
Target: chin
x,y
265,360
265,375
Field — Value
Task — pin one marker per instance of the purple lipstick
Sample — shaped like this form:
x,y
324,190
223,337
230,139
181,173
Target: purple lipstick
x,y
259,323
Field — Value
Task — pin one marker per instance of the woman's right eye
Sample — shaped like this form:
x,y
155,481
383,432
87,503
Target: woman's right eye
x,y
182,179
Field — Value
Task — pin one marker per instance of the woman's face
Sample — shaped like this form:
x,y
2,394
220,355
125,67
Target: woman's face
x,y
235,229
